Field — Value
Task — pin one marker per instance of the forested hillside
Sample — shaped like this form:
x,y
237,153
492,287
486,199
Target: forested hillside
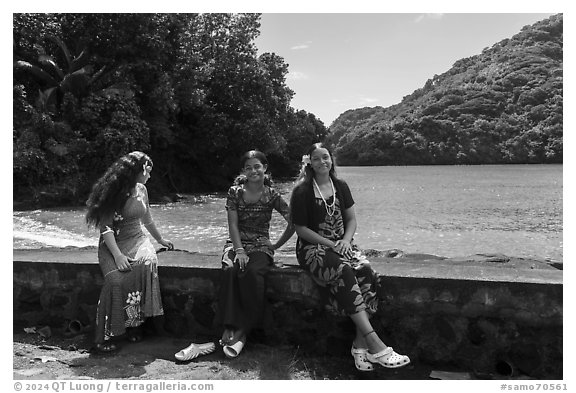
x,y
188,89
501,106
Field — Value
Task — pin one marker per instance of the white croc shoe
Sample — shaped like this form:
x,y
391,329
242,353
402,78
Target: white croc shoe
x,y
360,361
388,358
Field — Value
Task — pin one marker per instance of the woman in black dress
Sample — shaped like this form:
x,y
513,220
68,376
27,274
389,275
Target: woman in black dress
x,y
322,211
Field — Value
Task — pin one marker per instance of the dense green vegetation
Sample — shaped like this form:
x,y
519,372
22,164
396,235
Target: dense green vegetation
x,y
501,106
188,89
191,91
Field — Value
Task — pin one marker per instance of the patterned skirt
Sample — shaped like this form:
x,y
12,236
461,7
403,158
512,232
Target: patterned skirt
x,y
347,285
127,298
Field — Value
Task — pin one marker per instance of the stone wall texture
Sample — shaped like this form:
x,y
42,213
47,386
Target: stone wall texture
x,y
468,313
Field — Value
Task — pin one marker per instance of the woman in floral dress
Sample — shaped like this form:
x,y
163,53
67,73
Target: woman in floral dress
x,y
323,215
118,206
248,253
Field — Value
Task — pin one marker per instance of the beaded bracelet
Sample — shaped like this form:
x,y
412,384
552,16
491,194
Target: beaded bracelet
x,y
240,249
107,229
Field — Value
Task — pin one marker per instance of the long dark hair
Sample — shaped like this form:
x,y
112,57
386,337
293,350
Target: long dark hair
x,y
307,173
241,178
110,192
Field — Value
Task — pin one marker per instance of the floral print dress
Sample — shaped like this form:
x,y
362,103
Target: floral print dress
x,y
127,298
242,302
349,285
253,220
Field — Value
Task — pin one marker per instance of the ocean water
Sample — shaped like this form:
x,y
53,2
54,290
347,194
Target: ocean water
x,y
450,211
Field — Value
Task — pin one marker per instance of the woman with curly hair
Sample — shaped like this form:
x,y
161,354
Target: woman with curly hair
x,y
323,215
118,206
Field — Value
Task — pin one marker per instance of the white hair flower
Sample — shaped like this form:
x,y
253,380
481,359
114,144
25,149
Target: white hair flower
x,y
306,159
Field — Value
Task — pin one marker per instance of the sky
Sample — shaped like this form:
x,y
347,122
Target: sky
x,y
342,61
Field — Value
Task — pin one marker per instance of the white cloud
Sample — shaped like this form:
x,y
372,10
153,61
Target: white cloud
x,y
367,101
355,102
305,45
296,75
422,17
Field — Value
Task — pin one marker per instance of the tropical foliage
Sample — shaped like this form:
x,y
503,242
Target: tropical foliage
x,y
192,91
501,106
189,89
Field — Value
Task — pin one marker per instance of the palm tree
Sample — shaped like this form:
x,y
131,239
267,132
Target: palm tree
x,y
76,77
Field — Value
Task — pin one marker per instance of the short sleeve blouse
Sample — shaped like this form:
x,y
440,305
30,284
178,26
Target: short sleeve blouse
x,y
254,218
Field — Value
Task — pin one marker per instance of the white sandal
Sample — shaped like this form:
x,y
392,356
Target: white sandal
x,y
360,361
192,351
388,358
231,351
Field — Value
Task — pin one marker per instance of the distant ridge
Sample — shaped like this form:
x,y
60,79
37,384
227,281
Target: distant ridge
x,y
501,106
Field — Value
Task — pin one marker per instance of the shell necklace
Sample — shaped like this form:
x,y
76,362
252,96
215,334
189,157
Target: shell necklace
x,y
330,208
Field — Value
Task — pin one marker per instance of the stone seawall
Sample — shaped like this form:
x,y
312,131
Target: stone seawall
x,y
482,313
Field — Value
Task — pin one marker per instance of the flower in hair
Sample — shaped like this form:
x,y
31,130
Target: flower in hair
x,y
306,159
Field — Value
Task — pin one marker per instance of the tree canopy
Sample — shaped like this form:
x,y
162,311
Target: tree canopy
x,y
188,89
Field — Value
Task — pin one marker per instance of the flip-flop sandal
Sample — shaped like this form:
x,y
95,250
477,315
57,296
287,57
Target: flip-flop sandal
x,y
192,351
360,361
388,358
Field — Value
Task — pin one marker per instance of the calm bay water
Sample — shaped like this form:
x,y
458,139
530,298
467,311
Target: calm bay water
x,y
442,210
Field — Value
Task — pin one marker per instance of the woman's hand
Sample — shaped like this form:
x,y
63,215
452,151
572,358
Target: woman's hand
x,y
123,262
343,248
242,258
166,243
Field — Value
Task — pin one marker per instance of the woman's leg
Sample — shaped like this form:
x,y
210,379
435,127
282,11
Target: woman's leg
x,y
242,296
252,291
109,316
341,278
378,352
146,279
368,282
110,311
229,306
365,335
